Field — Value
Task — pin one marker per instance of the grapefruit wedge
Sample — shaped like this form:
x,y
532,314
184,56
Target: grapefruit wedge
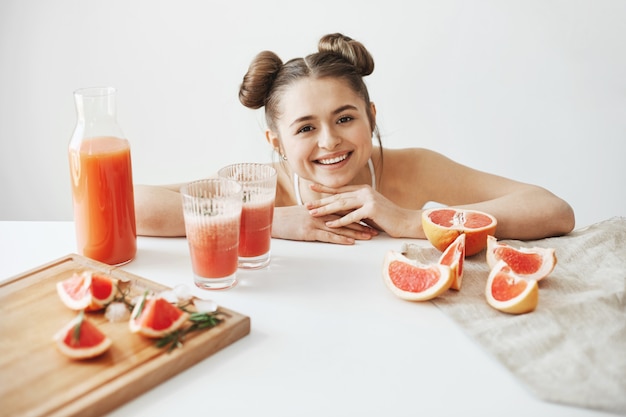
x,y
414,281
453,256
89,291
443,225
74,291
103,289
509,292
531,263
156,317
81,339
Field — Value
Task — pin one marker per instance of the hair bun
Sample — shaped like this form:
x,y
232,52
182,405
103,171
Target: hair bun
x,y
258,81
351,50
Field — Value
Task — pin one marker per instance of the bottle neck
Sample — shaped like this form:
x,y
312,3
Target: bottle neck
x,y
96,112
95,103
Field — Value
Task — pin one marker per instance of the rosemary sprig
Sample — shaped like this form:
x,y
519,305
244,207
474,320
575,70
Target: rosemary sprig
x,y
121,296
199,321
141,305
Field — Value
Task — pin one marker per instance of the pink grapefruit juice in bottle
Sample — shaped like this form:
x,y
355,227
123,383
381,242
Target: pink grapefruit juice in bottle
x,y
101,180
104,211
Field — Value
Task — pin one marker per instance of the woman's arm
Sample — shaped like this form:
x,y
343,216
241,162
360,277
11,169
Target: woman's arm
x,y
159,210
528,212
412,177
524,211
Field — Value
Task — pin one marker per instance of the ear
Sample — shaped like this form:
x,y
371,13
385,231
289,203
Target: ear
x,y
273,140
373,113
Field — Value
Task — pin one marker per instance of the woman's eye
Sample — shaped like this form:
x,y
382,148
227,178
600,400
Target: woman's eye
x,y
344,119
305,129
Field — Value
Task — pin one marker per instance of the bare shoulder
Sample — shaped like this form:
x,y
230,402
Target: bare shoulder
x,y
409,153
405,176
410,160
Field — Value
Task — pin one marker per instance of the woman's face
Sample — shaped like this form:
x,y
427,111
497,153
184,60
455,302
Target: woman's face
x,y
324,130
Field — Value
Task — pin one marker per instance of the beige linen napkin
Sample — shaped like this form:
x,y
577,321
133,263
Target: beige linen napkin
x,y
572,348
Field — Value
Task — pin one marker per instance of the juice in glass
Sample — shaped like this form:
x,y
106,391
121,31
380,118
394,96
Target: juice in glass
x,y
103,199
213,246
256,228
212,213
259,193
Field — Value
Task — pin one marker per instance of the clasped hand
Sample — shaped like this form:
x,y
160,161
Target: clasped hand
x,y
360,205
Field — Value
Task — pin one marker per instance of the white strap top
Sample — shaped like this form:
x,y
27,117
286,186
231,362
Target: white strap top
x,y
296,182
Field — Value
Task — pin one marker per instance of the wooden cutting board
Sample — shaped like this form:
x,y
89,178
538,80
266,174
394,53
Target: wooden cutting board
x,y
37,380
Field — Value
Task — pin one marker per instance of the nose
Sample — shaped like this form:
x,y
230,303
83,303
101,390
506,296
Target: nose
x,y
328,139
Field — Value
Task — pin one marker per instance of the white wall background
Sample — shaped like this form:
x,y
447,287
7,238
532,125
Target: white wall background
x,y
530,89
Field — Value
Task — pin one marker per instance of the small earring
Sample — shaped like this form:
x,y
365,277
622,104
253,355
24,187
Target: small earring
x,y
280,154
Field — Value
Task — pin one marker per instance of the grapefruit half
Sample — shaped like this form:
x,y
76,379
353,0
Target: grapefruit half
x,y
414,281
443,225
156,317
510,293
453,256
89,291
531,263
81,339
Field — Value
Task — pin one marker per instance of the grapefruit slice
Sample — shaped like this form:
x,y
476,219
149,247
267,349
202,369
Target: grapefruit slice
x,y
453,256
509,292
88,291
443,225
156,317
103,288
74,291
414,281
531,263
81,339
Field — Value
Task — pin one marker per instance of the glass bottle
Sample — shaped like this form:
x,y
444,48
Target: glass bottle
x,y
102,183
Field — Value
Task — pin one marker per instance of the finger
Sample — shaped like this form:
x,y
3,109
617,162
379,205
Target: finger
x,y
345,236
355,230
322,202
330,222
337,204
332,190
358,227
352,218
325,236
324,189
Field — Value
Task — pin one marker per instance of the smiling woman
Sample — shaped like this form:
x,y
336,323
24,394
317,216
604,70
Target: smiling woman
x,y
333,142
332,183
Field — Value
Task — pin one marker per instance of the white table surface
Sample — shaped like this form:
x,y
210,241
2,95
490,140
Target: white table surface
x,y
328,338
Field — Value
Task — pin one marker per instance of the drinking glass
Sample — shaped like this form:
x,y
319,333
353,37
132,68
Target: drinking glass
x,y
212,213
259,194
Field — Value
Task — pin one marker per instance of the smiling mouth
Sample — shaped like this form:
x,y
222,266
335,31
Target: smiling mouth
x,y
335,160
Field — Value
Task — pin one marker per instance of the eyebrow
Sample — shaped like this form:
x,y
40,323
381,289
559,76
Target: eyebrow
x,y
335,112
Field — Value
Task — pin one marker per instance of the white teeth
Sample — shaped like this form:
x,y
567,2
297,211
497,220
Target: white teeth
x,y
333,160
